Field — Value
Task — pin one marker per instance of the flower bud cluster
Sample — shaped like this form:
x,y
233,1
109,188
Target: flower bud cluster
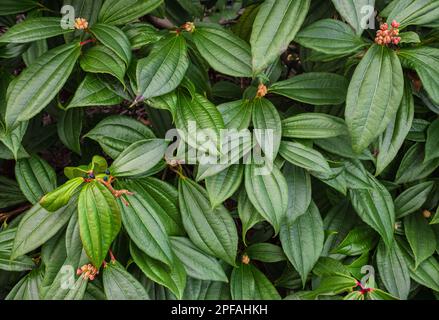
x,y
88,271
81,24
386,36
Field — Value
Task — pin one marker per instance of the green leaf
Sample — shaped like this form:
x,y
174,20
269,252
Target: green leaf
x,y
330,36
117,12
173,279
420,236
139,157
391,141
119,284
10,193
61,196
413,166
374,95
223,185
198,265
248,215
421,60
225,52
143,223
432,145
36,50
38,84
12,139
22,263
8,7
164,69
27,288
268,193
38,226
393,270
299,191
358,241
248,283
313,126
33,29
141,34
99,220
35,177
93,92
354,13
113,38
410,12
116,133
333,285
236,114
275,26
69,129
100,59
304,157
302,241
412,199
266,252
211,230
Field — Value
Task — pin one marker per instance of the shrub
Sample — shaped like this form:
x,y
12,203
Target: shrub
x,y
219,149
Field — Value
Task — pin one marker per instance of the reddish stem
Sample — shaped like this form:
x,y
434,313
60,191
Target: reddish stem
x,y
87,41
112,256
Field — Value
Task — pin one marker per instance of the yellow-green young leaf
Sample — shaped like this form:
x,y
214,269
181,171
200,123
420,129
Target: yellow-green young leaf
x,y
268,193
60,196
390,142
393,270
420,236
99,220
248,215
174,279
223,185
115,39
116,133
425,61
316,88
304,157
313,126
119,12
164,69
248,283
139,157
38,226
331,37
93,92
101,59
374,95
8,7
119,284
224,51
412,199
302,241
414,12
35,177
33,29
354,12
198,265
69,128
211,230
142,220
38,84
275,26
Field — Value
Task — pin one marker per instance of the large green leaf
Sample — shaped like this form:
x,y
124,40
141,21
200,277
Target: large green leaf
x,y
143,223
211,230
38,226
275,26
374,95
268,193
33,29
412,199
331,37
8,7
414,12
38,84
27,288
99,220
432,144
164,69
22,263
225,52
248,283
35,177
119,12
116,133
302,240
236,114
119,284
139,157
354,12
299,191
223,185
313,126
69,129
390,142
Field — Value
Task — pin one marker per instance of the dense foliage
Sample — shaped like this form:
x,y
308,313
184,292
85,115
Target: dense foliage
x,y
332,194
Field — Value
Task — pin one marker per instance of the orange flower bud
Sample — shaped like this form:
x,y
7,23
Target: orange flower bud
x,y
81,24
395,24
262,91
245,259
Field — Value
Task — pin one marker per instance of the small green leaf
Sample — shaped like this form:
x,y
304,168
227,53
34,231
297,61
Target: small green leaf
x,y
61,196
358,241
313,126
412,199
